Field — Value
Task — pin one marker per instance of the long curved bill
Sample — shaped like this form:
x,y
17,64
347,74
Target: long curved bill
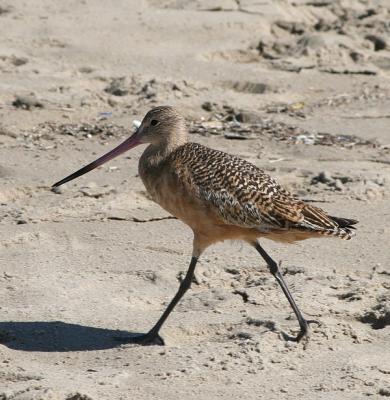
x,y
128,144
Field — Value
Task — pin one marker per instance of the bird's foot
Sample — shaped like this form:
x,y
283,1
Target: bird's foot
x,y
304,332
148,339
145,339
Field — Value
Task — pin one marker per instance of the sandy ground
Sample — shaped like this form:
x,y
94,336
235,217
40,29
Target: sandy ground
x,y
300,88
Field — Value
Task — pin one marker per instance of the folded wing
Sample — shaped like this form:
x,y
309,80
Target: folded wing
x,y
242,194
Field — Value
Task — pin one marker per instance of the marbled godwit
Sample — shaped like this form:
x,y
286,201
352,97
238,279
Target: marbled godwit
x,y
219,197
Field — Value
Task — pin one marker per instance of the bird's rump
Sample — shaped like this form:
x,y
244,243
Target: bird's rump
x,y
241,194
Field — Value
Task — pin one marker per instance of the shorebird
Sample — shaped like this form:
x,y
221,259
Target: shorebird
x,y
220,197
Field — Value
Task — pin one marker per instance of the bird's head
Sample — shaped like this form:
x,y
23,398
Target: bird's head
x,y
161,127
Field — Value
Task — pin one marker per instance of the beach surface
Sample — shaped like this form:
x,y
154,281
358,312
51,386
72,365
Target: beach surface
x,y
299,88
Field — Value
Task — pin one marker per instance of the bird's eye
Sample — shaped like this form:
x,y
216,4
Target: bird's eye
x,y
154,122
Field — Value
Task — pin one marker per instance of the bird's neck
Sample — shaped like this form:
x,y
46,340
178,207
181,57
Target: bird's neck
x,y
154,154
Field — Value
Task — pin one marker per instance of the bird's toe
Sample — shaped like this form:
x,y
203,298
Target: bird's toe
x,y
145,339
148,340
304,332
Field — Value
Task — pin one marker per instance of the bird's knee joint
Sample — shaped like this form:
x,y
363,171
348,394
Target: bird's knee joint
x,y
273,267
185,284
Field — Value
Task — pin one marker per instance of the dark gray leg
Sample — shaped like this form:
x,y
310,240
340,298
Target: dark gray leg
x,y
152,337
274,269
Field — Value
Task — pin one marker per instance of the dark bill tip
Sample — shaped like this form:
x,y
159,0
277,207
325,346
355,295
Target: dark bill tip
x,y
126,145
76,174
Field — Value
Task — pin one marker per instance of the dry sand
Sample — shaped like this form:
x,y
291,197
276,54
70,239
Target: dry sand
x,y
308,82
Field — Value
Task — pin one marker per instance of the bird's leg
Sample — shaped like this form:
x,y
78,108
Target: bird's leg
x,y
275,271
152,337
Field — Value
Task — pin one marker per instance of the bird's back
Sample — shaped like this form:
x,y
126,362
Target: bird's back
x,y
240,194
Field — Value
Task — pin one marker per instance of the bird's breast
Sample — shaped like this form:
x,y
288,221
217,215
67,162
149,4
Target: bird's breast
x,y
162,184
157,182
168,188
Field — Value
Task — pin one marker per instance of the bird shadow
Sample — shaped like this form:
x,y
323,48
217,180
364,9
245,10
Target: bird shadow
x,y
58,336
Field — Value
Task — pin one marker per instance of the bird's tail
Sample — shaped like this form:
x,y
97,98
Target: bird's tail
x,y
345,228
318,220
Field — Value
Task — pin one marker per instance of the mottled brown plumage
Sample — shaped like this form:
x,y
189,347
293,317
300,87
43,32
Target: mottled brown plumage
x,y
241,194
191,181
220,197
